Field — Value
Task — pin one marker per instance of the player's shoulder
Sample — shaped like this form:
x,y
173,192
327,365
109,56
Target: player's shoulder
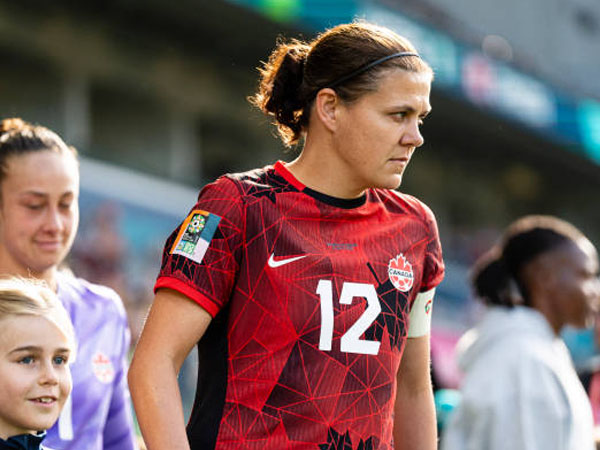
x,y
405,203
78,290
257,175
254,176
240,182
263,177
255,184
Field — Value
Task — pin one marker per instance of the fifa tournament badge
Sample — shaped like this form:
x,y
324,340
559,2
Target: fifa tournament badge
x,y
191,235
195,234
401,273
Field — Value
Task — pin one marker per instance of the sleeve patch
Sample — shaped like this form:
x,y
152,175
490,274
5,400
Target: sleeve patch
x,y
195,234
420,314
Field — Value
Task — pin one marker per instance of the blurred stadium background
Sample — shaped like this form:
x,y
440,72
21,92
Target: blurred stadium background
x,y
153,95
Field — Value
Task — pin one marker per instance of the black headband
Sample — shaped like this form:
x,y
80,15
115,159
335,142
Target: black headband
x,y
369,66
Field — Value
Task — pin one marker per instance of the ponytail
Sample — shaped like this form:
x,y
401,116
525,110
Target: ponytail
x,y
280,93
493,283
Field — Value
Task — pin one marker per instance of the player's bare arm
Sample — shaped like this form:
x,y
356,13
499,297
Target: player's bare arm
x,y
175,324
414,411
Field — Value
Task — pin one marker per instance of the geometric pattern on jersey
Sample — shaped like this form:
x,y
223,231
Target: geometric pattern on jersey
x,y
308,329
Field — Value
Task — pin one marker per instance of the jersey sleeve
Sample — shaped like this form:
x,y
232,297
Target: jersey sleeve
x,y
433,266
201,257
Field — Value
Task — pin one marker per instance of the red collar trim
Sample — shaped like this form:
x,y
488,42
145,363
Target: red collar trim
x,y
285,173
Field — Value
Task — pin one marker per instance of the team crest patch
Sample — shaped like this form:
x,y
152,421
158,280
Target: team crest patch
x,y
195,234
400,273
103,368
428,306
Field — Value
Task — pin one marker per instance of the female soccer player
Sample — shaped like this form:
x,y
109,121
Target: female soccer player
x,y
520,389
39,214
36,342
307,285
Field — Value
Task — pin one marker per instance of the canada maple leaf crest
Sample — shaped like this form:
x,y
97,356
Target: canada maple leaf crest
x,y
400,273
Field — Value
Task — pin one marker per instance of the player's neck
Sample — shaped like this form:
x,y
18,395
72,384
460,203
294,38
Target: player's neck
x,y
319,168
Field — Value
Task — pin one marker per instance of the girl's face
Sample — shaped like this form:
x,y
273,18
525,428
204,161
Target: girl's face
x,y
39,212
380,131
35,380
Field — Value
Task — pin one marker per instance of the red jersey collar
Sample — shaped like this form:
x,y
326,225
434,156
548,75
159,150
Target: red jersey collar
x,y
346,203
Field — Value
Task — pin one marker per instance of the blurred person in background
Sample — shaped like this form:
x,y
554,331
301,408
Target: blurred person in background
x,y
592,379
307,286
37,343
520,389
39,215
100,252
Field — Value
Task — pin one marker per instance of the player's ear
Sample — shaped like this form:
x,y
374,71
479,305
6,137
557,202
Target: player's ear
x,y
327,104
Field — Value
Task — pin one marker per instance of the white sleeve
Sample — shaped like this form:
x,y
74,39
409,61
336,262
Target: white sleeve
x,y
420,314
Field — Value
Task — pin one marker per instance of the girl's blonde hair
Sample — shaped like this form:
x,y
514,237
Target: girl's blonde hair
x,y
25,296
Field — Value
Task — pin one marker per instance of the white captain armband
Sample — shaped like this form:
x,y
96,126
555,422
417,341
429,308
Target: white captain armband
x,y
420,314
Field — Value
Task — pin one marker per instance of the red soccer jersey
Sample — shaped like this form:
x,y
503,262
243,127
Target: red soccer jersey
x,y
310,297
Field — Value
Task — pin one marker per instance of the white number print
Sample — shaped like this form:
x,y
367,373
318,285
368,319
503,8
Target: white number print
x,y
350,341
65,420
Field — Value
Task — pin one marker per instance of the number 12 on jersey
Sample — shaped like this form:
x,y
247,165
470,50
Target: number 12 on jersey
x,y
350,342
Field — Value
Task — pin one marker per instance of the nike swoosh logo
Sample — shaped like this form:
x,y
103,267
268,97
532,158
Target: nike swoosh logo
x,y
282,262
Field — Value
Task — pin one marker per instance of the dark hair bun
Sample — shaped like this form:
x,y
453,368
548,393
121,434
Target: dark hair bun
x,y
492,281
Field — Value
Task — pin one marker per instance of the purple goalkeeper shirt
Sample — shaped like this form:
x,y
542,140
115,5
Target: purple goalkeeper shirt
x,y
97,415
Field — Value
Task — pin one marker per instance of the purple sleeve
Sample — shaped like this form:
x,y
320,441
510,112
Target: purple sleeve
x,y
118,430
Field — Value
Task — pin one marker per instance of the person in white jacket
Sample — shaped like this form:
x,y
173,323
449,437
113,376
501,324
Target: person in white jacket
x,y
520,390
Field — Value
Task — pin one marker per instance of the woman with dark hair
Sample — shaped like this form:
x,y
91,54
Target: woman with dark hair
x,y
39,215
520,390
307,286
